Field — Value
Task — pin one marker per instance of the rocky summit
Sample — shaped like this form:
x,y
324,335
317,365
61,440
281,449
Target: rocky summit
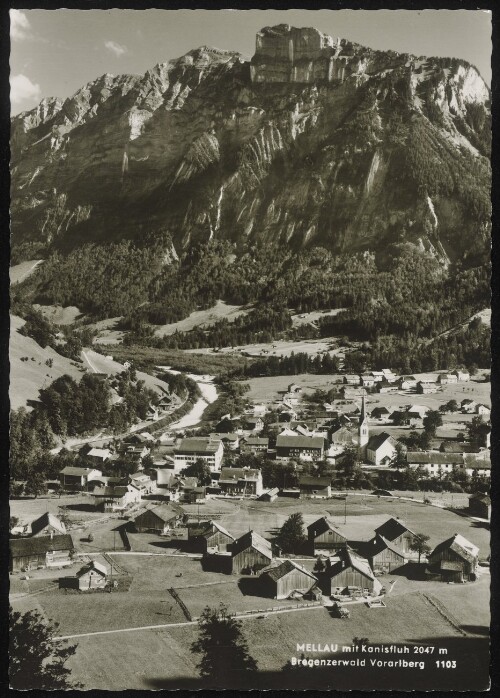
x,y
316,141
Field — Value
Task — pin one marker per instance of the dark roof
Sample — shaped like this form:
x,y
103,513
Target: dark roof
x,y
379,543
165,512
377,440
36,546
235,474
460,546
69,470
257,441
484,498
47,519
392,529
253,540
423,457
300,442
213,526
198,445
276,572
310,481
454,447
322,525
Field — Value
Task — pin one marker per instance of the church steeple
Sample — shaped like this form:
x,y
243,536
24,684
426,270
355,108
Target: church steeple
x,y
363,428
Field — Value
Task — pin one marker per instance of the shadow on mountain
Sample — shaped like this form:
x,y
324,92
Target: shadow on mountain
x,y
422,672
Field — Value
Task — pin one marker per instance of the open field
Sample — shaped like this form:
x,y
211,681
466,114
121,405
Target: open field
x,y
282,347
107,331
97,363
20,272
313,317
147,358
59,315
204,318
28,377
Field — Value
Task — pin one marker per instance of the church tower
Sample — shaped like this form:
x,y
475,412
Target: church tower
x,y
363,430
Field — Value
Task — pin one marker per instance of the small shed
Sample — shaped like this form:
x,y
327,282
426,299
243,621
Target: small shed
x,y
210,538
92,576
396,532
347,569
47,524
286,579
269,495
159,519
250,553
384,556
480,506
457,550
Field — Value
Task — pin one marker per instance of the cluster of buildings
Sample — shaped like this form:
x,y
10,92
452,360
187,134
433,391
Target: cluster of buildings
x,y
385,381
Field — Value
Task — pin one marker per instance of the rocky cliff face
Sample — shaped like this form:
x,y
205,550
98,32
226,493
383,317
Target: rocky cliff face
x,y
316,141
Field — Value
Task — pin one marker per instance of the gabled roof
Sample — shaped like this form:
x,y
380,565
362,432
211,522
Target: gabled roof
x,y
47,519
310,481
69,470
424,457
198,445
214,525
392,529
93,565
235,474
252,540
460,545
346,557
379,543
299,441
281,569
165,512
112,492
99,453
322,525
38,546
377,440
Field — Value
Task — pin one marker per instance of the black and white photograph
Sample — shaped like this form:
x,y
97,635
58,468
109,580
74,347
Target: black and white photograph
x,y
250,363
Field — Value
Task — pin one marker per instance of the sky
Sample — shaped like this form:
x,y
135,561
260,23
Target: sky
x,y
55,52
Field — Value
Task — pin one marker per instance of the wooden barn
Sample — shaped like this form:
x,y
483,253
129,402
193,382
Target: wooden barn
x,y
347,570
323,536
209,538
480,506
286,579
384,556
395,531
46,525
42,551
455,559
159,519
92,576
250,553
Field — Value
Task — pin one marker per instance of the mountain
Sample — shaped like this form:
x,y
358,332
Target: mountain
x,y
314,142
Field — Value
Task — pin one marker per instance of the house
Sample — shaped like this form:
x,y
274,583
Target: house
x,y
343,436
435,464
105,481
384,556
41,551
115,498
447,378
250,553
380,413
397,533
269,495
381,448
75,479
136,453
46,525
407,382
417,411
309,448
480,506
160,519
468,406
351,379
254,424
92,576
483,410
462,374
427,387
378,375
99,455
385,387
141,481
477,466
254,444
286,579
241,481
347,570
140,438
368,381
210,538
208,450
315,487
322,536
230,440
455,559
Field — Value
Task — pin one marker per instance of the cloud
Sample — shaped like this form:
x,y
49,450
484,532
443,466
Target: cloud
x,y
19,25
115,48
21,89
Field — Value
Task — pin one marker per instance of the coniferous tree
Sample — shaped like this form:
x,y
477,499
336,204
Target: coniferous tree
x,y
291,536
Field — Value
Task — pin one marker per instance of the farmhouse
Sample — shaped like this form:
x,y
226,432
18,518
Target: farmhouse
x,y
351,379
483,410
99,455
343,436
269,495
230,440
286,579
455,559
407,382
141,481
241,481
75,479
323,536
384,556
380,413
434,463
211,537
160,519
190,450
250,553
395,531
308,448
115,498
347,570
427,387
254,444
480,506
381,448
478,466
43,551
315,487
368,381
462,374
46,525
447,378
254,424
468,406
92,576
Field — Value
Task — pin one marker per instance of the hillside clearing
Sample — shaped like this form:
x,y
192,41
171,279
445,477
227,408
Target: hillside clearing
x,y
20,272
59,315
204,318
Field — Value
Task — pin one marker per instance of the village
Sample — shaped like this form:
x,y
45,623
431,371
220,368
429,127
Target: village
x,y
200,514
